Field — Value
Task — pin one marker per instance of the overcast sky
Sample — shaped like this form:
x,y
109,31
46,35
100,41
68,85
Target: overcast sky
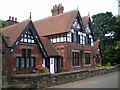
x,y
42,8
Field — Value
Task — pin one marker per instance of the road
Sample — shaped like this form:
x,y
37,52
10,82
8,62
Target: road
x,y
104,81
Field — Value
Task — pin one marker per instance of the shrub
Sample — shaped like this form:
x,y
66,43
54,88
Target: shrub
x,y
40,69
98,65
108,64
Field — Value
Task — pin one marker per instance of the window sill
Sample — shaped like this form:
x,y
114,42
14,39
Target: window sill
x,y
87,64
23,69
76,66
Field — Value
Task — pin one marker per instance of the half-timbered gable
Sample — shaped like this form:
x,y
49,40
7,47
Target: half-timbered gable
x,y
77,30
89,30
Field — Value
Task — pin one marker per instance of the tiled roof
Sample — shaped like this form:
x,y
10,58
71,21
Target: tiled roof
x,y
55,24
85,20
14,31
50,49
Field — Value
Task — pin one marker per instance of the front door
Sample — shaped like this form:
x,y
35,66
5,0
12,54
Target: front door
x,y
53,65
52,68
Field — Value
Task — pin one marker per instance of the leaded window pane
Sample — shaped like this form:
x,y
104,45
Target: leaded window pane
x,y
23,62
28,62
33,61
18,62
87,58
75,58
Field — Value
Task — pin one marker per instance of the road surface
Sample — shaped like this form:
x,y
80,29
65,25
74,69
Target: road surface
x,y
104,81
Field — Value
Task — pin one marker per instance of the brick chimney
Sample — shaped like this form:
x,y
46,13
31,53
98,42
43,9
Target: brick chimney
x,y
57,9
15,19
12,18
54,10
9,17
60,8
11,21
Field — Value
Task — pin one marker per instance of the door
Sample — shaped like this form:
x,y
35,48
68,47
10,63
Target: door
x,y
52,67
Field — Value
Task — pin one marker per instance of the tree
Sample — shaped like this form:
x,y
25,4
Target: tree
x,y
2,24
106,24
103,24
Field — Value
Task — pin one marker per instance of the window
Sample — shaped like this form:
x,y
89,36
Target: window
x,y
91,41
33,61
26,61
75,58
58,38
84,40
75,37
62,38
17,62
81,41
87,58
23,62
65,37
87,39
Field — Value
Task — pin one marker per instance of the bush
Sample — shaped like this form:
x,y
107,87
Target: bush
x,y
98,65
108,64
40,69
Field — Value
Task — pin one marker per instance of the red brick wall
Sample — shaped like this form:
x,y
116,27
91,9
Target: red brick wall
x,y
65,50
35,51
5,61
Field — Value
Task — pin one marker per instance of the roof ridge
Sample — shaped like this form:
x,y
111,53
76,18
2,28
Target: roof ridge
x,y
56,15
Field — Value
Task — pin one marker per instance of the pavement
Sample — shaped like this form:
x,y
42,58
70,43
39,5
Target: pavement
x,y
103,81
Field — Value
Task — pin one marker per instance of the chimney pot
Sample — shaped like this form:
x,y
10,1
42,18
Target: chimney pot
x,y
59,5
9,17
12,18
61,8
55,6
15,19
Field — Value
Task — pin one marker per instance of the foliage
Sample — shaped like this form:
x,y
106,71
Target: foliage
x,y
98,66
108,64
106,23
103,23
118,45
2,24
40,69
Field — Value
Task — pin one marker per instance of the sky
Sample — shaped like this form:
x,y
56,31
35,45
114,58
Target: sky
x,y
39,9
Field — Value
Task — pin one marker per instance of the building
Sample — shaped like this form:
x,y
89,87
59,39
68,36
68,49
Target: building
x,y
71,35
63,41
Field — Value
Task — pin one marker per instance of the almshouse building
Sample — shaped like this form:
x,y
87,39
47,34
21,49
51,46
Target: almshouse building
x,y
63,41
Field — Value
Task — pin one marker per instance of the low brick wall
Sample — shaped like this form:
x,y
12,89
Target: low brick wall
x,y
46,79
